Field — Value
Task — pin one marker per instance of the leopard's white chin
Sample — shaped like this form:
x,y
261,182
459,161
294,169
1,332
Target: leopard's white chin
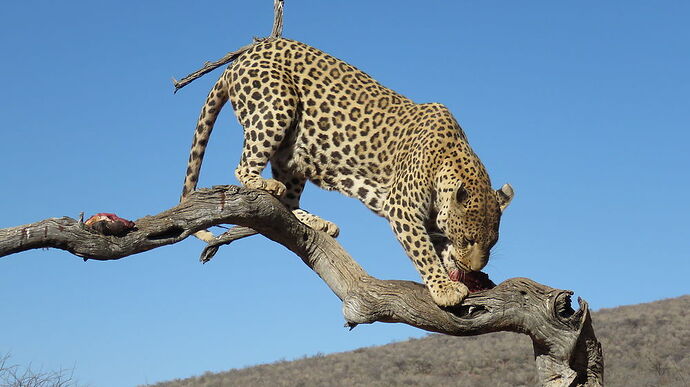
x,y
472,258
476,258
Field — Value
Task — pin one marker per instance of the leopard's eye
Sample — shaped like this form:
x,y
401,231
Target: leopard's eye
x,y
461,195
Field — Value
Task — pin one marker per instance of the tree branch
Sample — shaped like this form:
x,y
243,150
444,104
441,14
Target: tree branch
x,y
276,32
277,19
210,66
566,350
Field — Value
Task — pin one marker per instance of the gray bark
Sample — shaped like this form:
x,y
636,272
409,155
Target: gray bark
x,y
566,350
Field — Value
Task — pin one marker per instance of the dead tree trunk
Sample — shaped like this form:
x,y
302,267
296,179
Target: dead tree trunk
x,y
566,350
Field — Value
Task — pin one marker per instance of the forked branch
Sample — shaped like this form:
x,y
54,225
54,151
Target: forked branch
x,y
565,347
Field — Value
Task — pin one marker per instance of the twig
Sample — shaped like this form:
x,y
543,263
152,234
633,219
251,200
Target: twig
x,y
277,32
210,66
277,19
235,233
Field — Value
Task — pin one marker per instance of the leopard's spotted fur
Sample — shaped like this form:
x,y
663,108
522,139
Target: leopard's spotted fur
x,y
317,118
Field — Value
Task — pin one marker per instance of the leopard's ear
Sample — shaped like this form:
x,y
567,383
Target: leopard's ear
x,y
504,196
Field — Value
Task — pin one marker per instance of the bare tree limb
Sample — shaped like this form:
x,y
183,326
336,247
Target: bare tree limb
x,y
277,19
276,32
566,350
235,233
210,66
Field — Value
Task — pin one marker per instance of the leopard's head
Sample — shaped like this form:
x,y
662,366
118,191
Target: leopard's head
x,y
471,226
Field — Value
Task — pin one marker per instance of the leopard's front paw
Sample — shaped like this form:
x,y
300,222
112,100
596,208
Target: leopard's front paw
x,y
272,186
448,293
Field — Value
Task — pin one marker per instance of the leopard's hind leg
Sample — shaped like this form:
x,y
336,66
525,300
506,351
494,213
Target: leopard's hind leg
x,y
294,186
266,115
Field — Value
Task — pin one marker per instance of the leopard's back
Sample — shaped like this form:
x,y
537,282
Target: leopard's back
x,y
346,131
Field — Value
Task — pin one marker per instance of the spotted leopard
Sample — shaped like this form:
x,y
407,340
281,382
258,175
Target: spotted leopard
x,y
317,118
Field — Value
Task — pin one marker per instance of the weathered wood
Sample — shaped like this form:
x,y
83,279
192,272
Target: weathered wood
x,y
277,19
276,32
566,350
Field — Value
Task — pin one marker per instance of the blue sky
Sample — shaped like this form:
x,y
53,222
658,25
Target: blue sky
x,y
582,107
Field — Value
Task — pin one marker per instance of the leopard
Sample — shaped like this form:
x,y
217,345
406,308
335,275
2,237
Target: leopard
x,y
316,118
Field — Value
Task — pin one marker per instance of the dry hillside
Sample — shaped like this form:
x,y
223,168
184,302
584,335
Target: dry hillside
x,y
644,345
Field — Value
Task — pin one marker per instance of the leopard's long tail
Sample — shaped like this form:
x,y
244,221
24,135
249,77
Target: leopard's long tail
x,y
217,97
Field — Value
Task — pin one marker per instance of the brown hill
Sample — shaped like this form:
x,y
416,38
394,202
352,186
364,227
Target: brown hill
x,y
644,345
